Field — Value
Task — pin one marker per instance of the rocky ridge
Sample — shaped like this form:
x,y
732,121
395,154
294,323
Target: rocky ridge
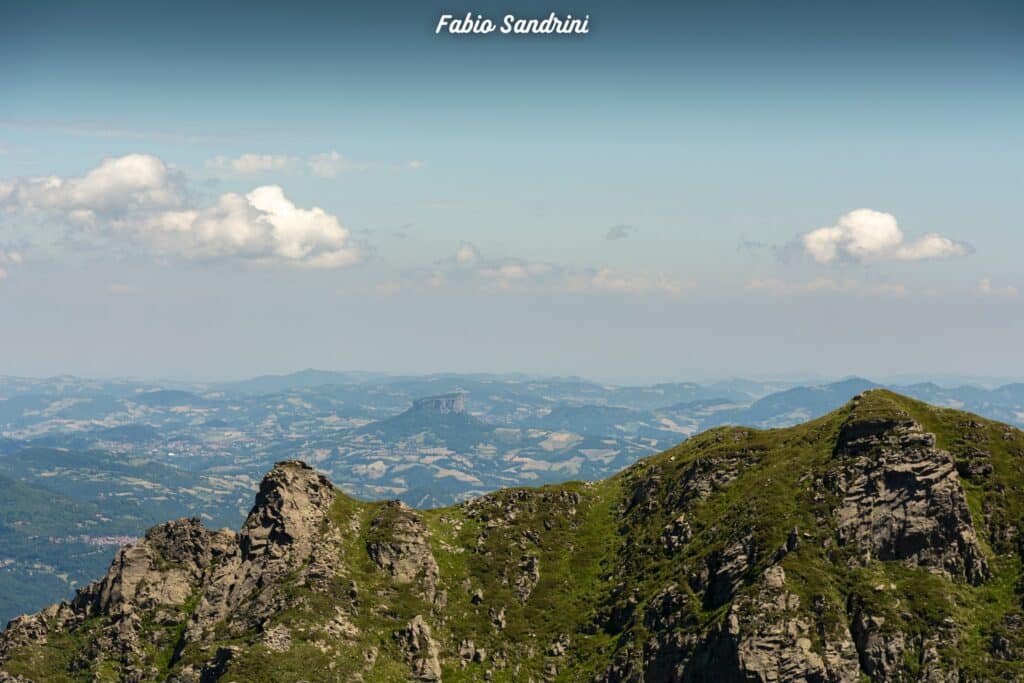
x,y
877,543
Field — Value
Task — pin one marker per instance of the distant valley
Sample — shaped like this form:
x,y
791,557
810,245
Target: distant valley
x,y
86,465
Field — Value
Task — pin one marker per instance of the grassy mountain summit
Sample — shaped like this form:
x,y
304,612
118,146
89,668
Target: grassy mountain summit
x,y
879,542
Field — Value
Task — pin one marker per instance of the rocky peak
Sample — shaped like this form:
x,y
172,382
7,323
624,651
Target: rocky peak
x,y
901,496
282,534
292,502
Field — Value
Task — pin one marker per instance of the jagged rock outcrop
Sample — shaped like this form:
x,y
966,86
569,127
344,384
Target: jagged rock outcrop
x,y
164,569
881,650
155,575
400,545
420,649
526,576
279,537
839,551
774,642
180,560
676,535
902,499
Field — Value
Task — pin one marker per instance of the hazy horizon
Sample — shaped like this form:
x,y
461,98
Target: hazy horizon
x,y
368,376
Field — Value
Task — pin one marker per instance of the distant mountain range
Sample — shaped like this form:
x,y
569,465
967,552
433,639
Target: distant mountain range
x,y
138,452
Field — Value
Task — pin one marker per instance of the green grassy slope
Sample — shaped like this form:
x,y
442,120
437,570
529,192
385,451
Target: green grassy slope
x,y
606,559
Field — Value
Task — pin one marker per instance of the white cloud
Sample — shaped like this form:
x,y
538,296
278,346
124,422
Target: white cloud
x,y
414,164
988,289
330,164
119,185
468,267
261,225
496,274
515,270
302,233
608,281
253,163
866,235
139,199
930,246
514,275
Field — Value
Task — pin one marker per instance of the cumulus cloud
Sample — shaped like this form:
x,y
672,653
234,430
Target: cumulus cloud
x,y
140,199
619,232
930,246
253,163
261,225
868,235
118,186
310,235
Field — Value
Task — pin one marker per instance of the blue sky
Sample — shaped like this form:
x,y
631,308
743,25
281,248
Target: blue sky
x,y
467,189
